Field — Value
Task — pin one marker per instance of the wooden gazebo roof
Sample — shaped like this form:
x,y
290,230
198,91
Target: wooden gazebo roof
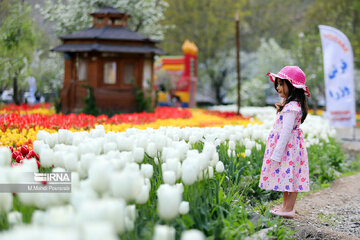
x,y
101,37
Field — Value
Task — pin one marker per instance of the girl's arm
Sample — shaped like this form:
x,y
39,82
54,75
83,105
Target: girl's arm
x,y
288,125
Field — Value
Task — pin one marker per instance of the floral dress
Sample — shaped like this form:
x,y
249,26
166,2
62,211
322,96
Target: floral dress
x,y
291,173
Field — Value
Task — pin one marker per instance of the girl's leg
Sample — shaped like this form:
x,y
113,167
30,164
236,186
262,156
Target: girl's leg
x,y
290,202
285,199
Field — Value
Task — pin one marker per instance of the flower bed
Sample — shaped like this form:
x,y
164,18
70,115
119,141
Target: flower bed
x,y
156,180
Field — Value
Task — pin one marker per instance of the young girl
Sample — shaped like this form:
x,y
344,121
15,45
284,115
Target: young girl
x,y
285,166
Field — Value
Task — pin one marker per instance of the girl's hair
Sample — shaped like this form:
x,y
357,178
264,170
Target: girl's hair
x,y
295,94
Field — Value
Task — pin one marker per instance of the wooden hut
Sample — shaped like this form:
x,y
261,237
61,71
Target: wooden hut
x,y
110,58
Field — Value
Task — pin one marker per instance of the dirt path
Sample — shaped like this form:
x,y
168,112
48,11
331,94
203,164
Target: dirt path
x,y
332,213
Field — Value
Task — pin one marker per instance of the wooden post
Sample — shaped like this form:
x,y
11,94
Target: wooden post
x,y
238,61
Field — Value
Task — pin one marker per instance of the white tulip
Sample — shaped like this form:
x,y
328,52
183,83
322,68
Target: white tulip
x,y
124,143
192,234
99,173
156,160
217,142
46,157
258,146
214,159
211,172
163,232
5,156
85,162
6,202
138,154
174,165
37,144
160,142
232,145
184,208
229,152
130,212
110,146
190,171
203,160
247,152
143,196
30,165
75,180
65,136
59,159
169,199
147,170
38,217
180,187
110,210
169,177
98,230
127,157
14,218
151,149
78,197
220,167
98,132
71,161
129,225
42,135
52,139
131,185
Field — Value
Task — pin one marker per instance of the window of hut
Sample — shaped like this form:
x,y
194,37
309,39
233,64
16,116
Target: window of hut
x,y
129,73
110,72
81,68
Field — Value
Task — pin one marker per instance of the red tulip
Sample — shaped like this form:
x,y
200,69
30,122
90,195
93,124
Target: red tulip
x,y
24,150
19,158
32,154
15,154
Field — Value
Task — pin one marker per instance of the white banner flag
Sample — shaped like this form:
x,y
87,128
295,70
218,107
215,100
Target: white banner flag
x,y
339,77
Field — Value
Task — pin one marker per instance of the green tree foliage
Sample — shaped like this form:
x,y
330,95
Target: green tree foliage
x,y
73,15
17,44
90,104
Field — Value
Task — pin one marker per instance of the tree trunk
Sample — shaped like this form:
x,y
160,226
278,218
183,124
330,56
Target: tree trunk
x,y
315,107
15,91
218,93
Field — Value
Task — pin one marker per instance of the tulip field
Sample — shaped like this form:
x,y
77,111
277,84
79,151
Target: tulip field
x,y
172,174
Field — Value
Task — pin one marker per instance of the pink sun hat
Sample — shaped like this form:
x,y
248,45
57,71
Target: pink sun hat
x,y
294,74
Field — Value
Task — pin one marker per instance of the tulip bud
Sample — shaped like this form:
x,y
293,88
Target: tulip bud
x,y
247,152
15,218
169,199
6,202
190,169
151,149
258,146
220,167
147,170
138,154
163,232
5,156
110,146
184,208
169,177
192,234
232,145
